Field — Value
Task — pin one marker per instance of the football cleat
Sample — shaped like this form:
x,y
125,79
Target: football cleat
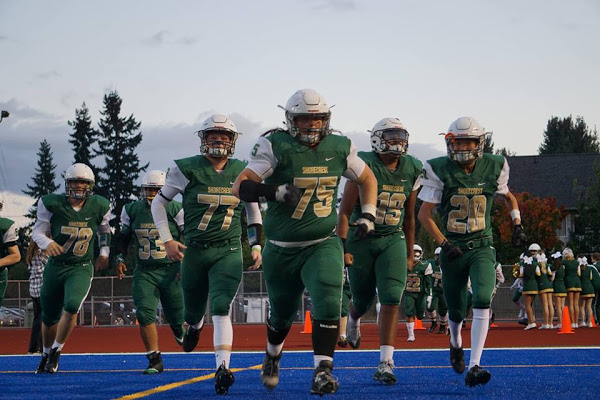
x,y
353,335
323,381
269,372
223,379
385,373
52,363
190,339
477,376
155,363
433,326
42,366
342,341
443,328
457,359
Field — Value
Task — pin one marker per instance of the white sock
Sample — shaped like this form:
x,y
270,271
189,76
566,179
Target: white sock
x,y
198,325
320,357
432,315
274,349
352,321
410,327
222,336
47,350
444,319
386,354
58,345
455,336
479,330
343,335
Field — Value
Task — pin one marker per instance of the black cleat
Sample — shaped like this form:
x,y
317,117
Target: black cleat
x,y
342,342
269,373
223,379
42,367
190,339
432,327
155,364
52,362
443,328
457,359
179,333
323,381
523,321
477,376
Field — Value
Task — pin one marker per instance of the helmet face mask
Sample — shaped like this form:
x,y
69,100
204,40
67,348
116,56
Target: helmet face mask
x,y
465,140
79,182
307,117
152,182
417,252
218,136
389,136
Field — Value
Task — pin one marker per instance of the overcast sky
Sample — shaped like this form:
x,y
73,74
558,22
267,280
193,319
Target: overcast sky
x,y
511,65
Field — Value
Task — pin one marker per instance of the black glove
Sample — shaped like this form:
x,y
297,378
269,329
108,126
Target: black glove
x,y
288,194
365,225
452,251
519,237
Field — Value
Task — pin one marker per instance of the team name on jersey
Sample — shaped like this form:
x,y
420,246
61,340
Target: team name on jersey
x,y
218,189
315,170
476,190
147,226
78,224
393,188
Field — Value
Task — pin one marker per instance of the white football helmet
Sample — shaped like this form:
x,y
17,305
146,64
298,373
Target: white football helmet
x,y
79,172
151,184
217,148
389,136
438,250
534,247
418,252
307,102
465,128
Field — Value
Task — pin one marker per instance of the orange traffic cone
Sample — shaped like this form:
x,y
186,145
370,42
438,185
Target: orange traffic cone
x,y
307,323
419,324
594,325
566,322
494,325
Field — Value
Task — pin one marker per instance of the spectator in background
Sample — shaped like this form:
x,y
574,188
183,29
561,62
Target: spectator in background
x,y
36,260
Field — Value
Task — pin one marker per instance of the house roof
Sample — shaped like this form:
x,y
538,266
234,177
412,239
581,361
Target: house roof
x,y
553,175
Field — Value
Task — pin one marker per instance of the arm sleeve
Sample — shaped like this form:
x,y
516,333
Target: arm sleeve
x,y
253,213
502,183
175,183
354,164
10,237
104,235
179,220
432,186
41,230
417,184
262,160
161,220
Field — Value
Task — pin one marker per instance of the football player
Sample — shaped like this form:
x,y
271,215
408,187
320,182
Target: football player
x,y
9,251
155,276
379,264
213,251
437,307
418,294
64,228
464,184
301,167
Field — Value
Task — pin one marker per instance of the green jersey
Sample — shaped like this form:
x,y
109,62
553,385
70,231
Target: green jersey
x,y
393,188
136,219
280,158
212,212
465,199
8,235
74,229
418,281
436,277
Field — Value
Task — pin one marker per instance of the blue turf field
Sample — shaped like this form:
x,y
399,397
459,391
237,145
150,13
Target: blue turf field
x,y
567,374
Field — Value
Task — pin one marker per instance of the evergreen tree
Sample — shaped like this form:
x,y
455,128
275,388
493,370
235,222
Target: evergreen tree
x,y
586,236
118,140
488,145
43,180
83,137
506,152
563,135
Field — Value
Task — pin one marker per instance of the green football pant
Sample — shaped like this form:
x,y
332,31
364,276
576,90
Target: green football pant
x,y
379,267
210,271
65,287
288,271
438,303
3,283
151,284
478,264
414,305
346,296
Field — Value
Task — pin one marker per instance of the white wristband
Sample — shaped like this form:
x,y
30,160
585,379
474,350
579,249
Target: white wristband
x,y
256,247
369,209
514,214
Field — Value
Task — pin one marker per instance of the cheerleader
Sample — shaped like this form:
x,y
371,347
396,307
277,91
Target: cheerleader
x,y
587,293
528,270
558,284
573,284
544,288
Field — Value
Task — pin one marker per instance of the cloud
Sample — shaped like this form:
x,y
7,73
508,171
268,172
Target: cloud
x,y
15,207
336,5
163,38
3,38
157,39
187,40
49,75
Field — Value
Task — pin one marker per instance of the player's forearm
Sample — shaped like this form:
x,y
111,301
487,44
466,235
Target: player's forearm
x,y
367,189
161,220
245,175
10,259
514,207
40,234
429,225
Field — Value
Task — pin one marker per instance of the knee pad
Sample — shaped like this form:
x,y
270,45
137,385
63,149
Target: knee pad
x,y
219,305
327,308
482,300
456,315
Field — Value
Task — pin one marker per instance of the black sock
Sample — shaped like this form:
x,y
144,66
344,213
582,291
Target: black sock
x,y
324,337
276,336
